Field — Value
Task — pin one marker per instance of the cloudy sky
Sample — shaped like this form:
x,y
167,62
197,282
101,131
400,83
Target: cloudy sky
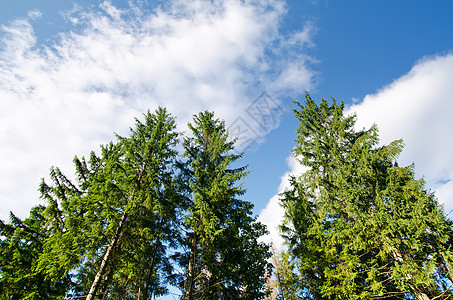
x,y
74,72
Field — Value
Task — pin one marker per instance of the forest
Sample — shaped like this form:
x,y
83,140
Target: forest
x,y
159,212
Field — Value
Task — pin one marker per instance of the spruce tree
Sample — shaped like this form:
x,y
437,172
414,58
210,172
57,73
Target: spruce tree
x,y
140,176
110,232
20,247
224,259
283,282
358,225
107,234
154,214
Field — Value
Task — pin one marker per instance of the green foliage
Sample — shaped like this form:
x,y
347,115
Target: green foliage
x,y
113,232
20,247
133,177
224,259
284,282
358,225
142,264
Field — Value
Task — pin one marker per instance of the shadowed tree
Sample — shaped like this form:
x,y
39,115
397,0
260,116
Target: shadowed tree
x,y
20,247
283,283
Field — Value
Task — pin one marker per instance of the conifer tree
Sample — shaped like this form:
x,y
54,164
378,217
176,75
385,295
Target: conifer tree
x,y
358,225
110,231
283,283
224,258
20,247
140,175
155,214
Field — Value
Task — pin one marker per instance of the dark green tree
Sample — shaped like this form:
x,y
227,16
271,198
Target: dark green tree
x,y
358,225
107,235
139,175
224,258
20,247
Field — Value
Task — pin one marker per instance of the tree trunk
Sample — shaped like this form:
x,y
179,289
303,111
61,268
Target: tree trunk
x,y
445,265
150,273
419,295
189,290
276,263
107,277
107,257
108,253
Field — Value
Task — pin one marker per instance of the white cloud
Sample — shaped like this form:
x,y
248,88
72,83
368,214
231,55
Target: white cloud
x,y
65,98
416,107
272,214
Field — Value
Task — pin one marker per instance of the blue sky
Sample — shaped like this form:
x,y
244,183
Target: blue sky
x,y
74,72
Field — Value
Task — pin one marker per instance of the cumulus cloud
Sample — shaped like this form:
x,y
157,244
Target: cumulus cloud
x,y
416,108
272,214
68,96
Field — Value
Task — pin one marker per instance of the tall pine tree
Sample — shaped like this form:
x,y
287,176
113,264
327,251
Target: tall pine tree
x,y
224,259
358,225
107,235
140,174
20,247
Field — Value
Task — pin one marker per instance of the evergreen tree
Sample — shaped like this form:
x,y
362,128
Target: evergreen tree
x,y
20,247
154,216
224,258
283,283
358,225
109,233
140,175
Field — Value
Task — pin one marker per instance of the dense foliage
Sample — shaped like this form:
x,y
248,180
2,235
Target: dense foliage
x,y
141,219
125,228
224,258
358,226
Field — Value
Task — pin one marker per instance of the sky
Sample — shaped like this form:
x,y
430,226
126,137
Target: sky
x,y
73,73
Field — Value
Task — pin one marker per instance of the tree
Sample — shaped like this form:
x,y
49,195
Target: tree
x,y
20,246
283,283
154,215
140,174
358,225
110,231
113,231
224,259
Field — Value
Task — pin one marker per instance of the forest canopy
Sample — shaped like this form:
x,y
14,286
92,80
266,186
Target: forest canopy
x,y
142,218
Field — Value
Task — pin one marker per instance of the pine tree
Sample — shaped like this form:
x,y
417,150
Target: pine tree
x,y
283,283
224,258
140,174
111,230
358,225
20,247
